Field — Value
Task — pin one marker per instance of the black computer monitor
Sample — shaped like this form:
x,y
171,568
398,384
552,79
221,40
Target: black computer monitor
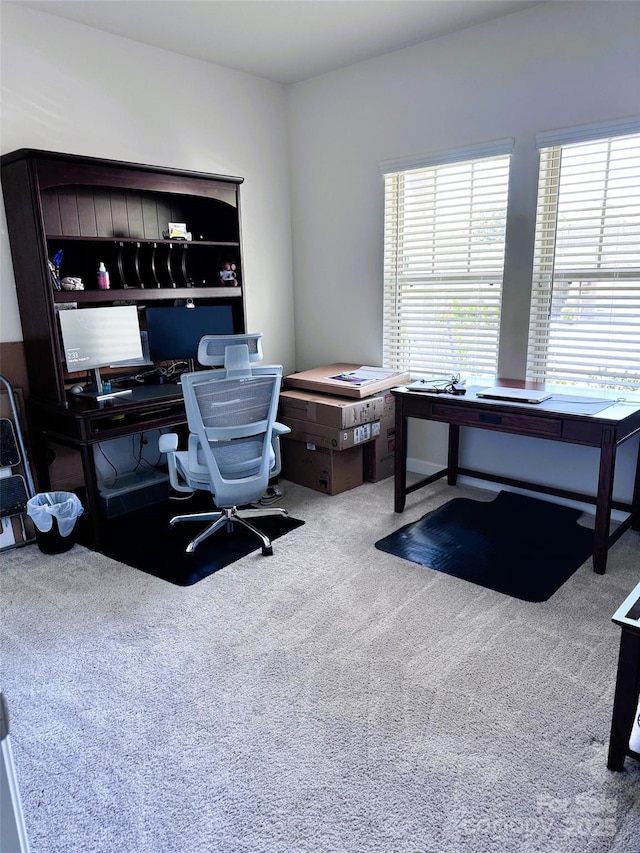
x,y
174,333
99,337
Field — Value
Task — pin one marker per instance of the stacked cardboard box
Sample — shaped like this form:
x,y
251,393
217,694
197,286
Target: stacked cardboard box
x,y
324,448
379,454
335,442
332,438
322,469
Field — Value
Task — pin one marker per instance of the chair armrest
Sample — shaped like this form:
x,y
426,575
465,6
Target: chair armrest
x,y
278,430
168,442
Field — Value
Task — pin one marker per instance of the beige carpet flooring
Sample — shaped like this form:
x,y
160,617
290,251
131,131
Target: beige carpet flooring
x,y
329,698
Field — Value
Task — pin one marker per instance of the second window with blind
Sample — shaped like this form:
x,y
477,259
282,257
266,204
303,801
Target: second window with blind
x,y
585,300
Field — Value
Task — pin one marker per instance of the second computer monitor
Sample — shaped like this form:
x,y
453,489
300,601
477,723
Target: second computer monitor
x,y
174,333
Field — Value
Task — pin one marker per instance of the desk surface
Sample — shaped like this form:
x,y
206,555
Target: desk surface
x,y
605,407
79,404
86,420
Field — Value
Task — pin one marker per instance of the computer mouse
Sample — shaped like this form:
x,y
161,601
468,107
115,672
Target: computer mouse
x,y
76,389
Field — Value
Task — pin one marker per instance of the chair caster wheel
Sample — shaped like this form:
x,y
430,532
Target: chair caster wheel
x,y
267,552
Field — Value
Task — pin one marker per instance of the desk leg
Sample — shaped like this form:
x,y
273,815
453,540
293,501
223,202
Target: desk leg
x,y
626,698
91,482
603,505
453,454
41,462
400,459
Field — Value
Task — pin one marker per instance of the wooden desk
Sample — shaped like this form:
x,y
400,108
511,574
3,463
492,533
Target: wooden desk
x,y
84,423
569,422
627,692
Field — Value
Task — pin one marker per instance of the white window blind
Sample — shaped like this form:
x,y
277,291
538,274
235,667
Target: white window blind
x,y
585,304
444,245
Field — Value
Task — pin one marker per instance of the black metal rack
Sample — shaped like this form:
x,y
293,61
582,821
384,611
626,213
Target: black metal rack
x,y
16,486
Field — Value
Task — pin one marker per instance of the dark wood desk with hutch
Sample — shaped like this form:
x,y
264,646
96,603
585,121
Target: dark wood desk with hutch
x,y
96,210
605,430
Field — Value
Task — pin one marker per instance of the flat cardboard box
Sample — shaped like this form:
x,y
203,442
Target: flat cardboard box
x,y
379,454
331,437
328,471
321,379
332,411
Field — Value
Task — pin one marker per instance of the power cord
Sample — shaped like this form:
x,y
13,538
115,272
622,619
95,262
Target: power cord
x,y
272,494
115,470
452,386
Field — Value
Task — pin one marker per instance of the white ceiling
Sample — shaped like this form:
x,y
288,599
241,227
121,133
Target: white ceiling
x,y
282,40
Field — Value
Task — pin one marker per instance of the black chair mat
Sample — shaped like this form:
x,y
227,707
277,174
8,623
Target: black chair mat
x,y
517,545
144,540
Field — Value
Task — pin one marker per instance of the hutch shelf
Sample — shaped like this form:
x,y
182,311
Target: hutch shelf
x,y
83,211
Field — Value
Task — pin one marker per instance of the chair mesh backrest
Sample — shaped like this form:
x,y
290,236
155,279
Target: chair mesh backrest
x,y
231,421
226,403
211,349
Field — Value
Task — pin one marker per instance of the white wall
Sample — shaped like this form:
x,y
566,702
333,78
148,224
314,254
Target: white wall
x,y
554,65
70,88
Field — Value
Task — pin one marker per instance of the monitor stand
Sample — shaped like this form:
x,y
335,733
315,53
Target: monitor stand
x,y
99,394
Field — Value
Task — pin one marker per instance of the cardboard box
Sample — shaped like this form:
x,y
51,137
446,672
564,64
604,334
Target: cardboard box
x,y
331,437
339,412
379,454
323,379
328,471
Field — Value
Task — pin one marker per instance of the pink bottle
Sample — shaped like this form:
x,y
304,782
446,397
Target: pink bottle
x,y
103,277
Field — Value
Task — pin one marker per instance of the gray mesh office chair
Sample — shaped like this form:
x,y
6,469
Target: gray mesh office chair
x,y
231,413
215,351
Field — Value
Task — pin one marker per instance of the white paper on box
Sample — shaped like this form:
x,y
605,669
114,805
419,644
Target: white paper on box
x,y
361,433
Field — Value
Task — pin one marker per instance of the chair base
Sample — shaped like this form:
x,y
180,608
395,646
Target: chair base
x,y
228,517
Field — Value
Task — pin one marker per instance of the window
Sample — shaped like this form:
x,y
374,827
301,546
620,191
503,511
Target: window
x,y
585,304
444,247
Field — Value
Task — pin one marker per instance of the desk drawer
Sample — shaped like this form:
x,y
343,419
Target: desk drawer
x,y
523,424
